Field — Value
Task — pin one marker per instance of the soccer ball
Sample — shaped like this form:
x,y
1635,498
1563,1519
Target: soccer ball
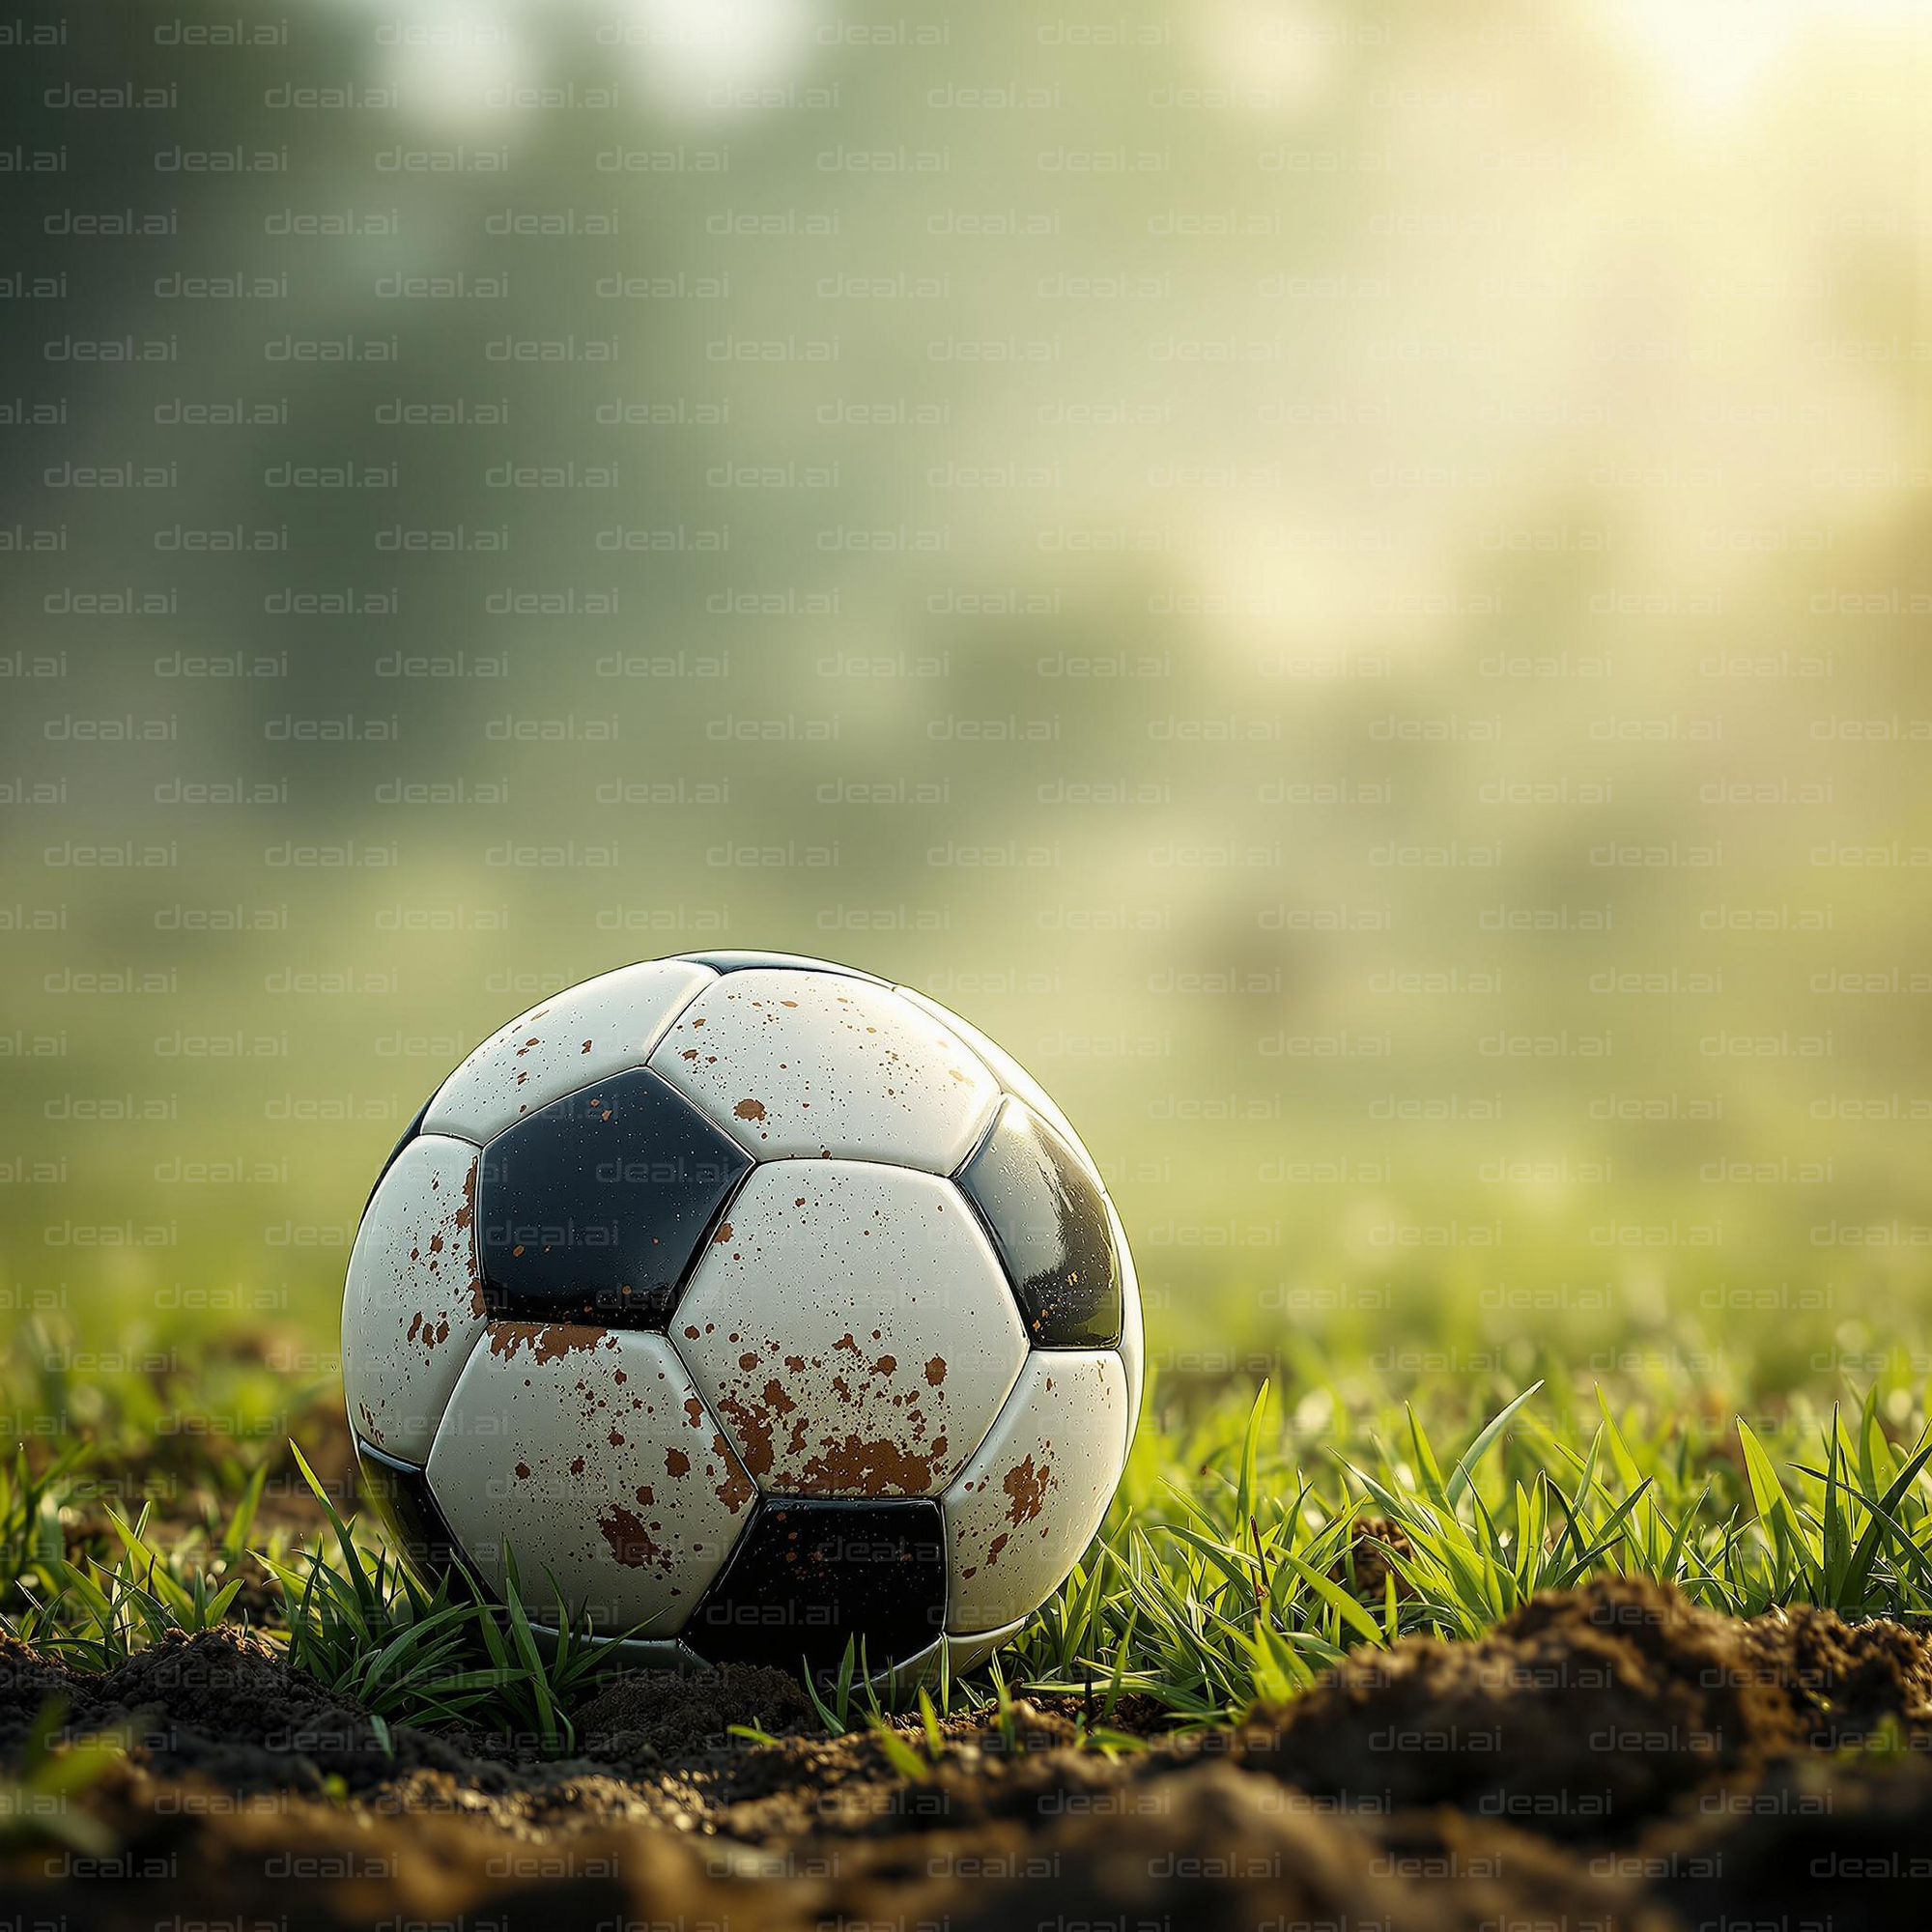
x,y
754,1305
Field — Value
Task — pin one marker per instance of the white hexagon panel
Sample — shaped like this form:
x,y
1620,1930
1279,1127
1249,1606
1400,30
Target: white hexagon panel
x,y
802,1063
1028,1502
852,1328
1006,1070
582,1035
414,1302
591,1452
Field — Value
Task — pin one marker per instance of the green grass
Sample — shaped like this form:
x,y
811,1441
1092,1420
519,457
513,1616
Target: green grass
x,y
1232,1572
1246,1551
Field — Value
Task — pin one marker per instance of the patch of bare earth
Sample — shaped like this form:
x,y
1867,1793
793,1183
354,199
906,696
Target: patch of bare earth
x,y
1611,1758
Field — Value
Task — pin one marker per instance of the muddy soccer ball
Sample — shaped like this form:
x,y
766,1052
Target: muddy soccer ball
x,y
753,1304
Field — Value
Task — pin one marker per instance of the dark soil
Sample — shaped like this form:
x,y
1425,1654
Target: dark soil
x,y
1608,1759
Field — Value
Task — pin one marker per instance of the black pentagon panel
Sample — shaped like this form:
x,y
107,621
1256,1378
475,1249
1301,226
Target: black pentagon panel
x,y
593,1206
808,1578
409,1133
771,962
400,1495
1049,1223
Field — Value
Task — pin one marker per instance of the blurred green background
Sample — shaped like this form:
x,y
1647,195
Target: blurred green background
x,y
1349,584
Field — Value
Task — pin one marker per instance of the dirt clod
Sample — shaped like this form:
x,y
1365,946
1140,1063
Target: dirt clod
x,y
1583,1714
1364,1567
684,1716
